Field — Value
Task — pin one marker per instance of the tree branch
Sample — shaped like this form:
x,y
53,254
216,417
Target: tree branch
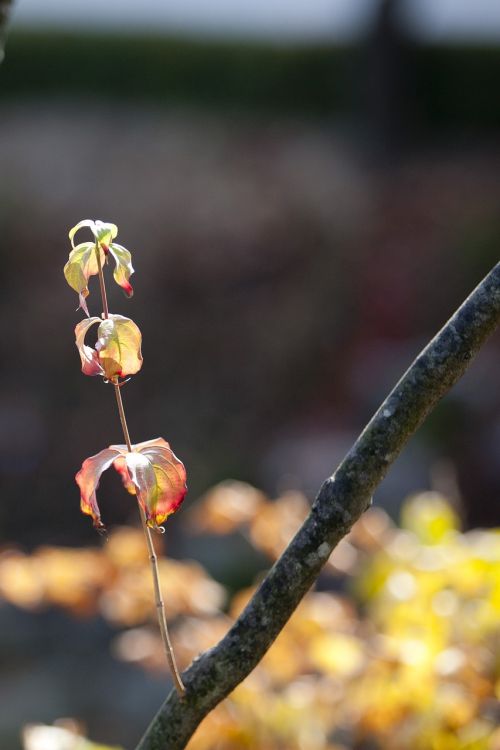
x,y
5,8
340,502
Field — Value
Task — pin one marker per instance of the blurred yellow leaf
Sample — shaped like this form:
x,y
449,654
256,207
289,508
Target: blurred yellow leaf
x,y
338,653
277,522
42,737
226,507
430,516
20,582
410,661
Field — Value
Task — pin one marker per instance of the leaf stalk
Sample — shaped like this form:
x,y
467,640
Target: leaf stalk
x,y
153,559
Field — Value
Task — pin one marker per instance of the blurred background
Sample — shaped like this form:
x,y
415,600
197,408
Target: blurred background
x,y
308,190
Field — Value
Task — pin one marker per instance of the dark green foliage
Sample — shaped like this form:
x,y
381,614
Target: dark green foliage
x,y
453,85
172,71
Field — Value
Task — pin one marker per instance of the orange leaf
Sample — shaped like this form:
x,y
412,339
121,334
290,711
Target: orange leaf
x,y
151,471
159,478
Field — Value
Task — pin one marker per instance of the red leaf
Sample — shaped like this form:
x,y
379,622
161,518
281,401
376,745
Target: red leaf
x,y
88,480
151,471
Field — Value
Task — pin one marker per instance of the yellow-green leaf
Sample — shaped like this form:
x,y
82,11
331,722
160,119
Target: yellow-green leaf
x,y
123,269
119,346
82,261
81,265
103,231
85,223
117,352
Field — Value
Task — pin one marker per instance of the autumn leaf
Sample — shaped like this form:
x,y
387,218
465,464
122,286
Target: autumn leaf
x,y
81,265
123,268
151,471
117,352
156,475
88,356
82,262
119,346
88,481
103,231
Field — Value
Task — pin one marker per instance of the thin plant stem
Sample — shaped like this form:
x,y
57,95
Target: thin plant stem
x,y
160,608
105,310
121,412
153,559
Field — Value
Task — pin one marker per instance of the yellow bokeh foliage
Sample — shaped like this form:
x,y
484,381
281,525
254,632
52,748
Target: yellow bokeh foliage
x,y
399,649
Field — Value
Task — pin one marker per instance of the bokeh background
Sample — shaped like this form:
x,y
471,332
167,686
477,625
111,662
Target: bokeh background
x,y
309,190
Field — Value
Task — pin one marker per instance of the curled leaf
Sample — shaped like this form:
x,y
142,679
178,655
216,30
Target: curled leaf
x,y
119,346
82,262
81,265
89,356
161,487
88,481
117,352
123,269
151,471
103,231
121,467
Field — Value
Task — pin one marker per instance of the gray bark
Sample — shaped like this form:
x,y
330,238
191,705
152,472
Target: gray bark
x,y
340,502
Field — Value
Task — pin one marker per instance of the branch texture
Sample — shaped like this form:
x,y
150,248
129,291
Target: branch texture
x,y
341,500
